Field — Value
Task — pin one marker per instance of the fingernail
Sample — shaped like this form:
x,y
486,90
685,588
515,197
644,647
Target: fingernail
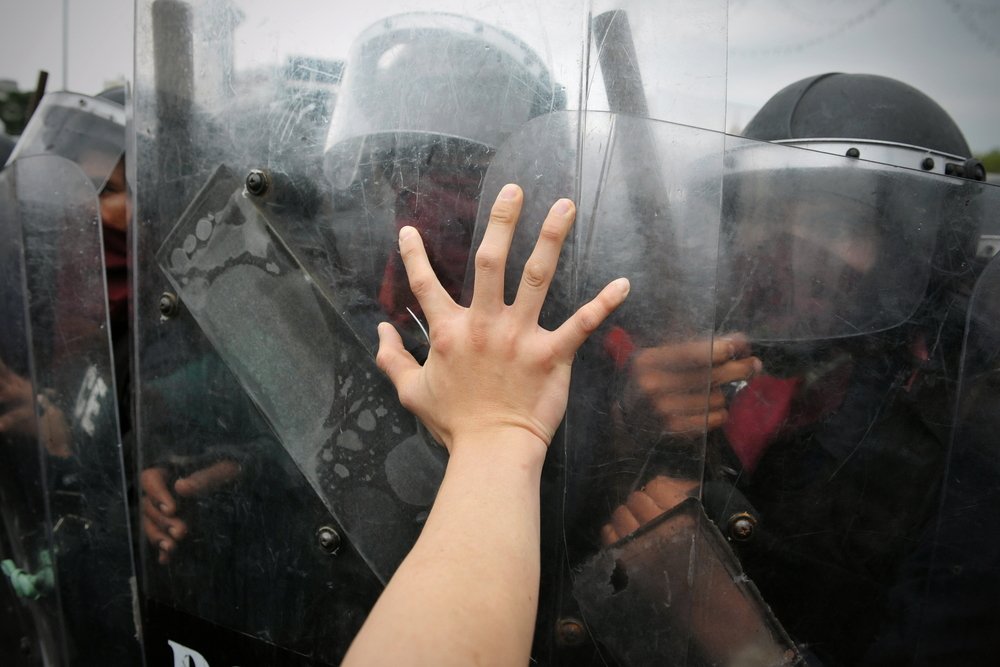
x,y
625,286
406,232
563,206
162,507
509,191
163,545
758,366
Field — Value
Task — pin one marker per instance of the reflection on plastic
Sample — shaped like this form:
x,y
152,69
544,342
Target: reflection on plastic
x,y
309,374
65,535
698,608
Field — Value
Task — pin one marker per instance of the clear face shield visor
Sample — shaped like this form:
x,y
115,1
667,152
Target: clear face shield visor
x,y
426,99
433,74
87,130
827,247
428,182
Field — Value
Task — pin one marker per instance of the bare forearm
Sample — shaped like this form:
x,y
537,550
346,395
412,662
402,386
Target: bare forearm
x,y
471,581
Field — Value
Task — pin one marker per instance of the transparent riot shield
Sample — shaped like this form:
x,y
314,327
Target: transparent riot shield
x,y
850,280
650,208
854,475
66,547
26,544
796,379
279,151
945,598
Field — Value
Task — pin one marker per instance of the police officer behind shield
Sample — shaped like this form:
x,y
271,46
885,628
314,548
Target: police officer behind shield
x,y
75,144
849,292
405,149
401,150
91,132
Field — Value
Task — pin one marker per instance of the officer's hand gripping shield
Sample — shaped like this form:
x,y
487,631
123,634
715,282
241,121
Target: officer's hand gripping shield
x,y
65,544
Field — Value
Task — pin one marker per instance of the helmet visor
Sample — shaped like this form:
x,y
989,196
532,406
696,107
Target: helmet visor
x,y
87,130
817,246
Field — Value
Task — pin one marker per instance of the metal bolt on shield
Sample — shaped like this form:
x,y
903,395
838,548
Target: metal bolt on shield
x,y
169,305
328,539
258,182
571,632
741,526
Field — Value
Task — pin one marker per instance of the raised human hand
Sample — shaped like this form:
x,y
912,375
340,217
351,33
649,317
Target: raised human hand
x,y
492,371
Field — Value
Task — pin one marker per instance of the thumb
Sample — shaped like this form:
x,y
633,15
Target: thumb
x,y
392,357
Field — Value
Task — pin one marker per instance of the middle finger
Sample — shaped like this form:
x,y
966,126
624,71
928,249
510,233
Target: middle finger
x,y
491,258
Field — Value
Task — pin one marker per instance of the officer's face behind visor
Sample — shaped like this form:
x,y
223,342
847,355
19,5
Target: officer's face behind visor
x,y
800,268
89,131
823,256
436,186
114,199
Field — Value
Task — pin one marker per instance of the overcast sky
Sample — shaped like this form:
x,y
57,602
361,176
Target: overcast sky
x,y
100,42
950,49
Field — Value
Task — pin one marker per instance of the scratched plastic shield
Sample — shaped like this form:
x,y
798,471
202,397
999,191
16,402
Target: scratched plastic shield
x,y
954,578
279,151
826,265
65,544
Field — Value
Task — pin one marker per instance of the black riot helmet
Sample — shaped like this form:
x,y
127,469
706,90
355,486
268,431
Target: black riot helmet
x,y
822,245
866,108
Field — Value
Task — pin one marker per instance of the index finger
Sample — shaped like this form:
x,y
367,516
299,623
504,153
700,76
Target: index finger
x,y
431,295
644,507
154,485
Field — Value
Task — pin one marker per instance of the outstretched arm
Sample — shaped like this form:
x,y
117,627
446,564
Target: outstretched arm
x,y
493,390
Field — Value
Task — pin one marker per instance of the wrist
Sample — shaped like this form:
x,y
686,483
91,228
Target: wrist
x,y
498,446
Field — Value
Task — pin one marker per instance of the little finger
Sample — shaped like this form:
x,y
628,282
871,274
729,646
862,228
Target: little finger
x,y
585,321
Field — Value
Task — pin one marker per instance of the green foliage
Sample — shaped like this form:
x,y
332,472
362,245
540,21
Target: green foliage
x,y
991,161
